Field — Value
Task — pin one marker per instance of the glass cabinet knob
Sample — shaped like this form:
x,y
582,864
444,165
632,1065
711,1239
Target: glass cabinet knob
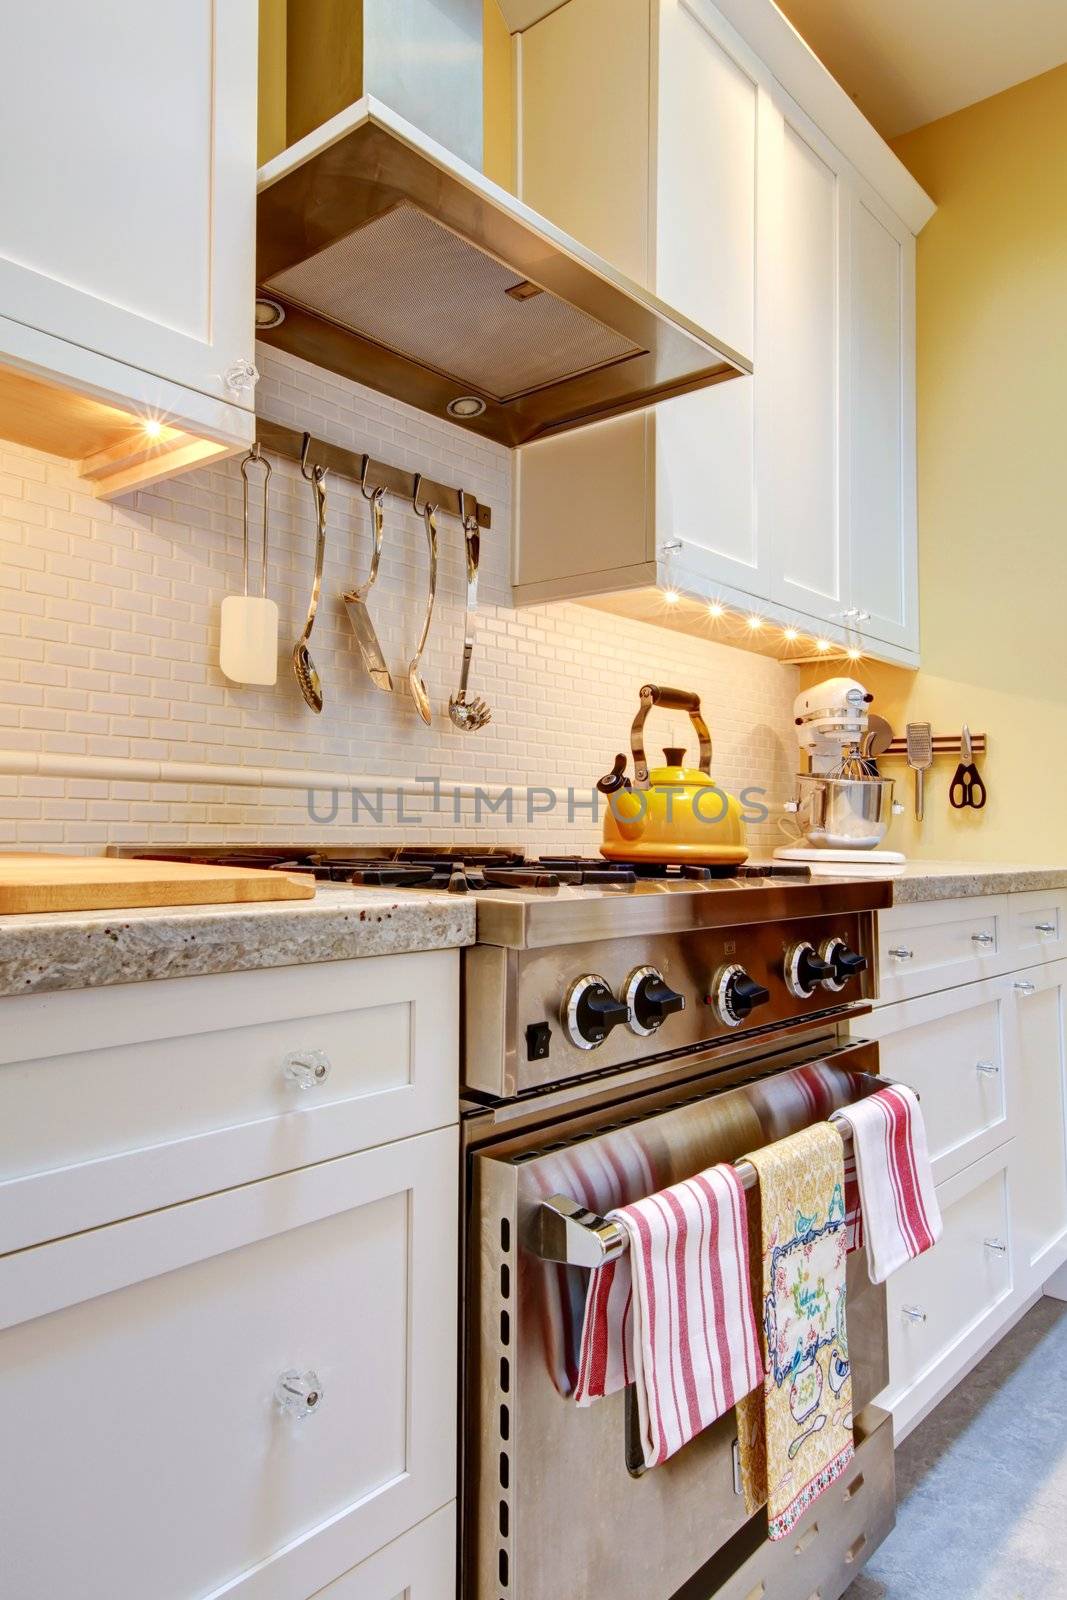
x,y
900,952
1024,986
241,376
298,1393
306,1068
914,1314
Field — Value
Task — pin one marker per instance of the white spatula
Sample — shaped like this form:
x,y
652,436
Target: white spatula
x,y
248,641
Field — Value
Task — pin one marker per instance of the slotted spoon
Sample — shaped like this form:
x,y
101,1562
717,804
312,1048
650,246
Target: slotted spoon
x,y
469,715
304,668
419,693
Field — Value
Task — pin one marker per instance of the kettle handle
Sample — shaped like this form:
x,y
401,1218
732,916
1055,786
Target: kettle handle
x,y
653,694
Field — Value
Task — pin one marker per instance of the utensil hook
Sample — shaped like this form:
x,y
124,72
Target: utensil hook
x,y
426,510
314,473
375,494
255,455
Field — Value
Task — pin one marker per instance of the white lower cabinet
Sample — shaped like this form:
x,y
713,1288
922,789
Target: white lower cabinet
x,y
930,947
942,1306
988,1059
957,1050
1040,996
219,1080
143,1366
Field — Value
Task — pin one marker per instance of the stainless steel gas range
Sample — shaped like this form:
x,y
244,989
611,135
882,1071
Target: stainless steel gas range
x,y
700,1018
695,1015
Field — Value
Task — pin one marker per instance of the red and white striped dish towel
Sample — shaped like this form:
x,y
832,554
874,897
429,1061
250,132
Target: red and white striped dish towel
x,y
673,1314
901,1217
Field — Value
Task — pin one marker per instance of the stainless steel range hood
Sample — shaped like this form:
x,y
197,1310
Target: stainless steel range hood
x,y
397,263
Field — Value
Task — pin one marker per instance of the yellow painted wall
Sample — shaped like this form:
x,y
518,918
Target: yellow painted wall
x,y
498,86
992,419
272,67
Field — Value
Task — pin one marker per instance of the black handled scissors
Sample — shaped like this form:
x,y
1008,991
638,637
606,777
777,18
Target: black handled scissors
x,y
967,788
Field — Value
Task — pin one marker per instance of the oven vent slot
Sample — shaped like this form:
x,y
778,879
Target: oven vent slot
x,y
504,1411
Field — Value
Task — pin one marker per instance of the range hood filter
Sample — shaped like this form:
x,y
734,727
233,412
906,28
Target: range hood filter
x,y
480,326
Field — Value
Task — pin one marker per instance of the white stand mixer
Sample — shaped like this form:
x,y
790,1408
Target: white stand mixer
x,y
843,806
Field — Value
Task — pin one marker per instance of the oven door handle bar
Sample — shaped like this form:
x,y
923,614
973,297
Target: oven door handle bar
x,y
569,1233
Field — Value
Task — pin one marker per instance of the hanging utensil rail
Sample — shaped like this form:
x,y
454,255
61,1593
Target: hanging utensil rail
x,y
944,744
289,442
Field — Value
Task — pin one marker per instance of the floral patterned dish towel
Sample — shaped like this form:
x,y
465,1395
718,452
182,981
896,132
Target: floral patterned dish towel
x,y
795,1433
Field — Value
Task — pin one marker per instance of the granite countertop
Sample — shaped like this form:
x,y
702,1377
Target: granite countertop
x,y
957,880
87,949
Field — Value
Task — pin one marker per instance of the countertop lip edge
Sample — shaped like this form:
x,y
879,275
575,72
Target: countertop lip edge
x,y
41,954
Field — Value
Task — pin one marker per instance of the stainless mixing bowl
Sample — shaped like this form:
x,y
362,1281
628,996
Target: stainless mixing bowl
x,y
843,813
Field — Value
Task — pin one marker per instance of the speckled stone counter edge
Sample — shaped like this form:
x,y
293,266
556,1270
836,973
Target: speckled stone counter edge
x,y
89,949
958,881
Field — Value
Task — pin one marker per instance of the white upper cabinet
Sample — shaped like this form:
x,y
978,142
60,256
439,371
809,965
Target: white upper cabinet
x,y
690,166
127,213
880,421
800,463
710,118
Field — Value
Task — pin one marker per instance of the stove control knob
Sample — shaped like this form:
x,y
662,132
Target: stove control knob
x,y
845,962
804,969
736,995
590,1011
650,999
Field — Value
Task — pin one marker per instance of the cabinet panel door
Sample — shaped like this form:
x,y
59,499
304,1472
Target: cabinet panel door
x,y
705,176
127,209
139,1376
956,1050
941,1305
799,474
707,442
1041,994
881,424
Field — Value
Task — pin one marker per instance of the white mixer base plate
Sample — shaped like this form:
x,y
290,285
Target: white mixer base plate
x,y
845,863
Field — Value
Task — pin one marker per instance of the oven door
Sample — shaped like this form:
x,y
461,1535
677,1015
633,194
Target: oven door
x,y
551,1507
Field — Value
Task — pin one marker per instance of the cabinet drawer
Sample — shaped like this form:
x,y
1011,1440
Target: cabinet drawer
x,y
1038,925
420,1565
955,1050
936,1301
925,948
140,1366
122,1100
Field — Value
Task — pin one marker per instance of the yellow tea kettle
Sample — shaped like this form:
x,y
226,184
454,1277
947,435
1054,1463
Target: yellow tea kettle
x,y
674,812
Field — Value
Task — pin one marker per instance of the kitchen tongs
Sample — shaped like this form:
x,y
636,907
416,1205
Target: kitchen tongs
x,y
356,599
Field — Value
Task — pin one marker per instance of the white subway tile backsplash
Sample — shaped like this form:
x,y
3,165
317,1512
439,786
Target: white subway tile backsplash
x,y
109,647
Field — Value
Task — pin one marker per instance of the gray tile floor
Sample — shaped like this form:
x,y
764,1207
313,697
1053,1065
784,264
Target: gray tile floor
x,y
982,1483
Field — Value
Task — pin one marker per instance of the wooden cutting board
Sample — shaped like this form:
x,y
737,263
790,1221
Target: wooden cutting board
x,y
33,883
